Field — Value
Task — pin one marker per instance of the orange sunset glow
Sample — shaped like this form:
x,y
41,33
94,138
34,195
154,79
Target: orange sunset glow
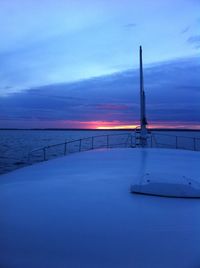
x,y
101,125
117,127
106,125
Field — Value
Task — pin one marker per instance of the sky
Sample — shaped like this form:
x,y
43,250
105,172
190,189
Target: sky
x,y
74,64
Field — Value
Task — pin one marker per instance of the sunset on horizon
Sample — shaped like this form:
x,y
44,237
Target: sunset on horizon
x,y
70,64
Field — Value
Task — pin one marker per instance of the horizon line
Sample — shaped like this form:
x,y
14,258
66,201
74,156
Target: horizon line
x,y
102,129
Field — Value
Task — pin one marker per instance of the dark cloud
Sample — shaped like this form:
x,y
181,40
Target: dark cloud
x,y
186,29
172,90
195,40
130,25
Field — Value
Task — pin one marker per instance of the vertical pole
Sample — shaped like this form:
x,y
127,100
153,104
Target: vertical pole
x,y
135,138
65,150
92,142
107,141
143,121
194,141
80,145
44,153
176,142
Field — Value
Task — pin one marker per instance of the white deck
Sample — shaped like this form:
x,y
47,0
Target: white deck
x,y
77,211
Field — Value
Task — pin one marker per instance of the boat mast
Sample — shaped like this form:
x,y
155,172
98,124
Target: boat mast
x,y
143,121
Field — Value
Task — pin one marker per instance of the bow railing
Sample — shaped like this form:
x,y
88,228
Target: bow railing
x,y
79,145
160,140
119,140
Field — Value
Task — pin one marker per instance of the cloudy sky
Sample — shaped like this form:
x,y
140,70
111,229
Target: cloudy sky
x,y
75,63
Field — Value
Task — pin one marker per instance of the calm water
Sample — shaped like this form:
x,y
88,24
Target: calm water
x,y
15,145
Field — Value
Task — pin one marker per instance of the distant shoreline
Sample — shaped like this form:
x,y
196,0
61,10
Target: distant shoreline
x,y
84,129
